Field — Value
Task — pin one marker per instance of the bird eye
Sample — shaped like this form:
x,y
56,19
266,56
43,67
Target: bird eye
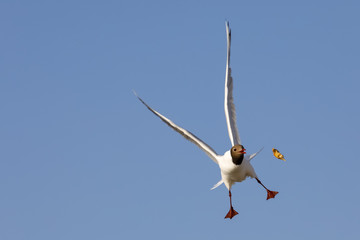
x,y
234,149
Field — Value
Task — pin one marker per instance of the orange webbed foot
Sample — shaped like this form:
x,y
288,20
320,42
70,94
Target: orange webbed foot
x,y
232,213
271,194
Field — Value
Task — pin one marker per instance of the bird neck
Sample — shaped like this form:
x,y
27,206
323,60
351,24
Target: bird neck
x,y
237,160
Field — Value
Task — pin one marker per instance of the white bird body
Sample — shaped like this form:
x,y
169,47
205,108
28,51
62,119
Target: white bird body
x,y
231,173
234,165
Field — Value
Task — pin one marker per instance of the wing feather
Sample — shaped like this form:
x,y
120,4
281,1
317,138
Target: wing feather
x,y
186,134
254,154
230,112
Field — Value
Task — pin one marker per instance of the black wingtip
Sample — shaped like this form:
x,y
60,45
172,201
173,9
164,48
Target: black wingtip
x,y
139,97
135,93
228,27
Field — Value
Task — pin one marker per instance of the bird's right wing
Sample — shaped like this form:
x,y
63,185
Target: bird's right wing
x,y
186,134
230,113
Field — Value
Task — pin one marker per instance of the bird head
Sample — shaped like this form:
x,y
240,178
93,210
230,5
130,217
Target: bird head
x,y
238,150
237,154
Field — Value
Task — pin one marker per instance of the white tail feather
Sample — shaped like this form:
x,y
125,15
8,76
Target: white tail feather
x,y
218,184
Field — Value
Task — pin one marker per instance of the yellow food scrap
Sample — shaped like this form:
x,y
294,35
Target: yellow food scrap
x,y
278,155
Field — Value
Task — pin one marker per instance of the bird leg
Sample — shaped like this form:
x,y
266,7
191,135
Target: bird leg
x,y
231,212
270,194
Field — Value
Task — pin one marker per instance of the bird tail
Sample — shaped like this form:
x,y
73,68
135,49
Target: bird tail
x,y
218,184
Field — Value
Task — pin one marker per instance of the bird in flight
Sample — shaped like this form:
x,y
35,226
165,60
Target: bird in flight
x,y
235,164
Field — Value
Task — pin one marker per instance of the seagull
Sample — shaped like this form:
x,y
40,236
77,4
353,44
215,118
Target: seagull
x,y
235,164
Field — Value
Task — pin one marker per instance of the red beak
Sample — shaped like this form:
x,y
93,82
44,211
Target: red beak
x,y
243,151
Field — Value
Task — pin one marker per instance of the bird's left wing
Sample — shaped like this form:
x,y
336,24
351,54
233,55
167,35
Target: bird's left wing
x,y
186,134
254,154
230,113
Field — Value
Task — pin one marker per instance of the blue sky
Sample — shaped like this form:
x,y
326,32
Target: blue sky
x,y
81,158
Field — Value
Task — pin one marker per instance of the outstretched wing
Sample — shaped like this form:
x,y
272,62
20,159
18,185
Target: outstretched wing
x,y
230,113
186,134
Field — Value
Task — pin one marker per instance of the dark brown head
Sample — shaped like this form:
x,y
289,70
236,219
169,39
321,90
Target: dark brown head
x,y
237,154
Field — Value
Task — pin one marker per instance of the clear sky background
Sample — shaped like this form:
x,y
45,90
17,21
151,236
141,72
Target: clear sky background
x,y
82,158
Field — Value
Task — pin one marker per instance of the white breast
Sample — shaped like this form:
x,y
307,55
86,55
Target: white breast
x,y
232,173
